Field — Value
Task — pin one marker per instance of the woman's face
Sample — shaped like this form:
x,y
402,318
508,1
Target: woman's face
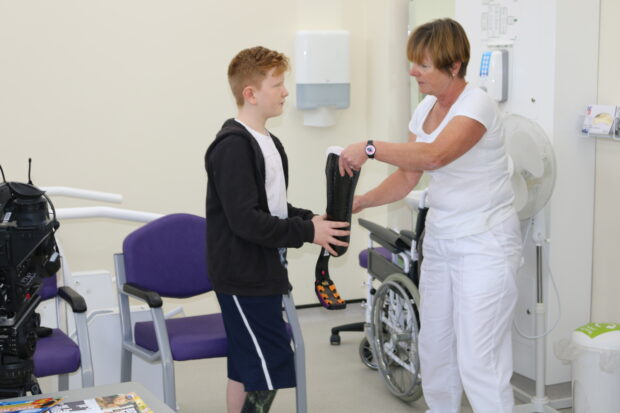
x,y
431,81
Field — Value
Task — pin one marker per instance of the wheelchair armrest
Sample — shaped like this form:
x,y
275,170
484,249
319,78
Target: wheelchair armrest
x,y
152,298
380,267
75,300
407,237
385,237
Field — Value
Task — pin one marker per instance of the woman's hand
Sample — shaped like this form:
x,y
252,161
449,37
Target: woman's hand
x,y
352,158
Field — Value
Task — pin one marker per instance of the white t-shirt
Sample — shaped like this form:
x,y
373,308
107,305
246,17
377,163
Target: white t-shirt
x,y
472,193
275,184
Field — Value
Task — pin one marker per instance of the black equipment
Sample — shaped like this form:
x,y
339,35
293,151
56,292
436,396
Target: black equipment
x,y
28,252
340,191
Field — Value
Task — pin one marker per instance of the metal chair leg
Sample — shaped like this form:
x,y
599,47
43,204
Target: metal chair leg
x,y
300,356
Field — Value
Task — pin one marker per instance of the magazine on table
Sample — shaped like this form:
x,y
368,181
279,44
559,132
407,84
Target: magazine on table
x,y
116,403
32,406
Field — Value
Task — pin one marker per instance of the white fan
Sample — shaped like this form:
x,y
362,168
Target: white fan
x,y
532,164
533,173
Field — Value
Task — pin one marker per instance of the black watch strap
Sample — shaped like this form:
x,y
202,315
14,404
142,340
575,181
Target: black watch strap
x,y
370,149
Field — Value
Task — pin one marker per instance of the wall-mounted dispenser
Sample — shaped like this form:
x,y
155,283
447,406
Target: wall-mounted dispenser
x,y
322,74
494,74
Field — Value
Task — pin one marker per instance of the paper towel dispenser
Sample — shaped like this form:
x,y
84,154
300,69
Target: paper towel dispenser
x,y
322,74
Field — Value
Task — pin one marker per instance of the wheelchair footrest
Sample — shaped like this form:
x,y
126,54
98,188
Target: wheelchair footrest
x,y
328,295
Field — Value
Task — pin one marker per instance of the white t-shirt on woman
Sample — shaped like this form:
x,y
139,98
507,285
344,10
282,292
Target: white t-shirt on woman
x,y
472,193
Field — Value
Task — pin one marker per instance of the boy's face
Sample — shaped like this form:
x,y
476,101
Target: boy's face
x,y
269,97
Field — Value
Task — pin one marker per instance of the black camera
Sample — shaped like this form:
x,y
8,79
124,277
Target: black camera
x,y
28,252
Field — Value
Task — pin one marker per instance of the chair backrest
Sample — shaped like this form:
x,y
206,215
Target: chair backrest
x,y
49,288
168,256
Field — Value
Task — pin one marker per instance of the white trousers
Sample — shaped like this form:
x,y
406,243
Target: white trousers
x,y
468,295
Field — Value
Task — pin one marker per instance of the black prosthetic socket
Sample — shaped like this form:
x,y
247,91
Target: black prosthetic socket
x,y
340,190
258,401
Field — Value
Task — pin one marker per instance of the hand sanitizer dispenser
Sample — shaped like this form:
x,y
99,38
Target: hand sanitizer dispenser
x,y
322,75
494,74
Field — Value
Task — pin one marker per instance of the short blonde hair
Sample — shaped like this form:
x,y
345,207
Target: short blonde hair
x,y
445,42
250,66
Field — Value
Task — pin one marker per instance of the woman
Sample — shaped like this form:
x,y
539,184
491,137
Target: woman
x,y
472,244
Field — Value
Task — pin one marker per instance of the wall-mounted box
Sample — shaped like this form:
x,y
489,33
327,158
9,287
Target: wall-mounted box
x,y
322,74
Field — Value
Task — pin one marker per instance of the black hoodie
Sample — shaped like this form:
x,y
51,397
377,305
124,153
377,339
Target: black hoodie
x,y
242,236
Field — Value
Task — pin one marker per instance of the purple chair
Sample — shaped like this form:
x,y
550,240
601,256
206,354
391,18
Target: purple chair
x,y
57,353
166,258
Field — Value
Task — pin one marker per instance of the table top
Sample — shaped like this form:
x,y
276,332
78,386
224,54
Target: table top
x,y
105,390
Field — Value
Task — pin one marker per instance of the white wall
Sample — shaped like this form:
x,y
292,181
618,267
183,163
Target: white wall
x,y
125,96
606,262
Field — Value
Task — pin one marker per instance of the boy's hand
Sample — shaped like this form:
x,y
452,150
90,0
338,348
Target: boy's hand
x,y
325,232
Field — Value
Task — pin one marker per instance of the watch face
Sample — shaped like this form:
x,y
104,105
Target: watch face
x,y
370,150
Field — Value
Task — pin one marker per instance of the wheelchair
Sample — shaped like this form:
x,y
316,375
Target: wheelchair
x,y
392,320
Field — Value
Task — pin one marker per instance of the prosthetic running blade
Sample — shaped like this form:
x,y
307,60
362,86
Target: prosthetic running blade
x,y
324,287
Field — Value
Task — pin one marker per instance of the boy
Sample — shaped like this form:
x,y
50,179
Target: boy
x,y
249,226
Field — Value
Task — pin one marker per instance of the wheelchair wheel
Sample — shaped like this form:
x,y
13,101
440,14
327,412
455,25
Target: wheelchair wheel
x,y
395,330
366,354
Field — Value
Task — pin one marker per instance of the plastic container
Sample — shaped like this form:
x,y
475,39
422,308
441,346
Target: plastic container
x,y
595,355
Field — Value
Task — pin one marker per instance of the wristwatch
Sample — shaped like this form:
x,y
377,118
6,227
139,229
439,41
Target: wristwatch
x,y
370,149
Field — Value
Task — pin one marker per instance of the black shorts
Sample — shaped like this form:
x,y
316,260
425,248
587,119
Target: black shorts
x,y
259,346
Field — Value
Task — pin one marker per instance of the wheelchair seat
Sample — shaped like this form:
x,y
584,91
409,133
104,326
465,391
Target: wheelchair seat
x,y
363,256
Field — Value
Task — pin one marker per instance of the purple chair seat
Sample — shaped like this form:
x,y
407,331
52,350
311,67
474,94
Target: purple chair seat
x,y
56,354
363,257
187,336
